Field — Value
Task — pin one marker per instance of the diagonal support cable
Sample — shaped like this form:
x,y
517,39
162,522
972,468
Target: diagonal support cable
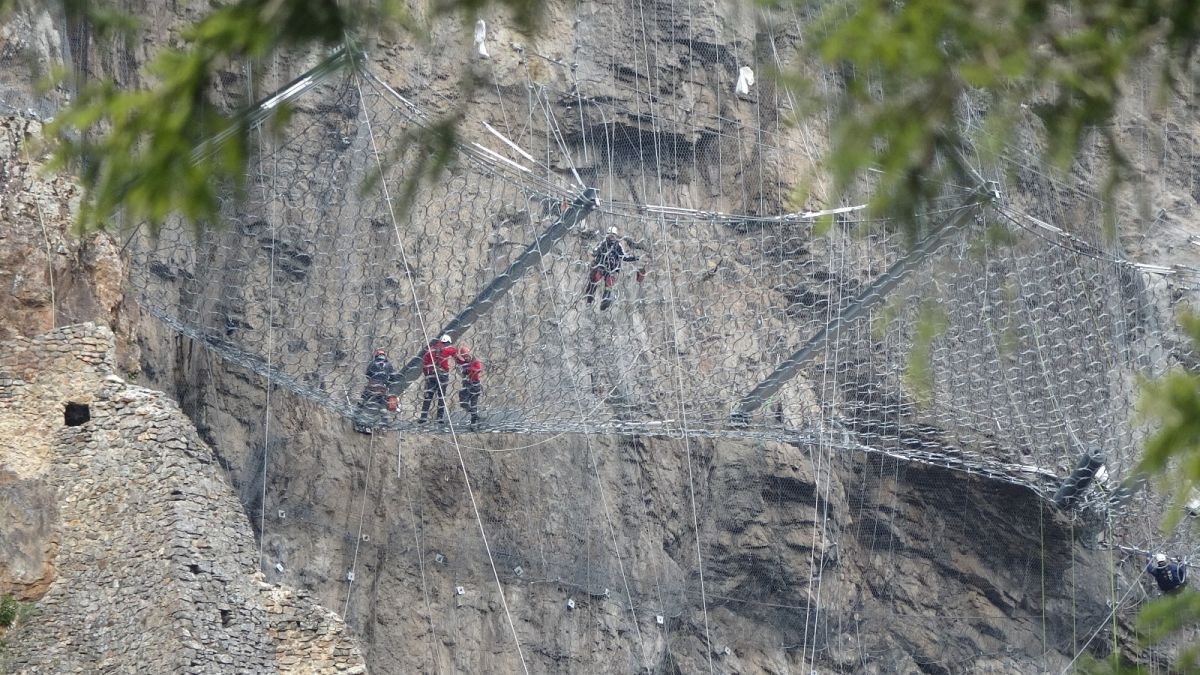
x,y
258,113
873,295
252,117
499,287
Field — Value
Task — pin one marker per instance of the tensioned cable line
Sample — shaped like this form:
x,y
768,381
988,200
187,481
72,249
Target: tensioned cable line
x,y
419,545
587,438
672,300
425,332
1099,628
266,452
362,514
681,400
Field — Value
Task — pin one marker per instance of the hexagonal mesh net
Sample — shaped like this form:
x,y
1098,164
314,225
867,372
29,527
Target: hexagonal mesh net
x,y
980,340
990,341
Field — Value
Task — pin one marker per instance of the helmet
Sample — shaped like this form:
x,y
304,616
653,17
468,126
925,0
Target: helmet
x,y
380,352
1160,560
612,230
446,339
465,351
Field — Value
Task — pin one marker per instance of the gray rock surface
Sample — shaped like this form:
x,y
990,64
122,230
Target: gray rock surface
x,y
811,561
126,534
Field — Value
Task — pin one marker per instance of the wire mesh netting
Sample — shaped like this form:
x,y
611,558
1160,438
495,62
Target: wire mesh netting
x,y
984,340
984,348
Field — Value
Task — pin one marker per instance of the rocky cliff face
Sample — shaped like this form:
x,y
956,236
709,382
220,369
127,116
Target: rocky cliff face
x,y
50,278
665,554
856,564
125,533
119,529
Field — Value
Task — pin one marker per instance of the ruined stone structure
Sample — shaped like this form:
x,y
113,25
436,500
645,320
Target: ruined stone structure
x,y
137,553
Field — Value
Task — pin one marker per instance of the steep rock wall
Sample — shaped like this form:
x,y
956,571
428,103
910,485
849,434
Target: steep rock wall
x,y
910,543
50,278
877,566
135,551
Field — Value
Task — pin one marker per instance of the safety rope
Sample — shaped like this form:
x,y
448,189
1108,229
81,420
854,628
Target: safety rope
x,y
587,439
426,334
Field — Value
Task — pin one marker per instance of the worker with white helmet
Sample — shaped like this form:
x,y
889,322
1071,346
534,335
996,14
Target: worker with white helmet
x,y
1170,576
606,265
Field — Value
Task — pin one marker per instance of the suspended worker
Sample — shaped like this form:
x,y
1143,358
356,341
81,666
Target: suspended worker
x,y
435,365
376,395
606,265
472,386
1171,576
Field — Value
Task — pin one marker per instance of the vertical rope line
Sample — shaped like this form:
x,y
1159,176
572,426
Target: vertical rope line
x,y
824,459
37,202
678,365
362,513
462,462
273,196
1074,588
688,453
1042,561
823,424
587,436
434,652
1112,577
420,562
679,368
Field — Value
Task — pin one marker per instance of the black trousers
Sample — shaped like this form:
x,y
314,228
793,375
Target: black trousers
x,y
469,398
435,388
374,402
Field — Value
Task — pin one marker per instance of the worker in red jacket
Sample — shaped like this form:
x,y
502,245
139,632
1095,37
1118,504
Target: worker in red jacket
x,y
435,365
472,386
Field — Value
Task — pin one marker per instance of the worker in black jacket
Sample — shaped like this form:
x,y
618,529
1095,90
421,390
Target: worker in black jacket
x,y
606,265
380,374
1170,576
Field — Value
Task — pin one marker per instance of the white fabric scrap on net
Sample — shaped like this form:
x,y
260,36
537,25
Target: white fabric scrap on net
x,y
481,38
745,80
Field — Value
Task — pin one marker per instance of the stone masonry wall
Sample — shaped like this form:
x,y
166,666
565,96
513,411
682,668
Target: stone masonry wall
x,y
151,561
313,635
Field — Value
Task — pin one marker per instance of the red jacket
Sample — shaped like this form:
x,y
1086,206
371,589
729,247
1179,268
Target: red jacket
x,y
472,370
441,355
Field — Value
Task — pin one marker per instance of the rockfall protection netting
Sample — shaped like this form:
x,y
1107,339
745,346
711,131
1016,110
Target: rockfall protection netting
x,y
1004,348
990,342
839,567
997,344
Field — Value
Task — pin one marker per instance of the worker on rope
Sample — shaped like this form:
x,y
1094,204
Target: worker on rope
x,y
377,395
1171,576
472,386
435,365
606,265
